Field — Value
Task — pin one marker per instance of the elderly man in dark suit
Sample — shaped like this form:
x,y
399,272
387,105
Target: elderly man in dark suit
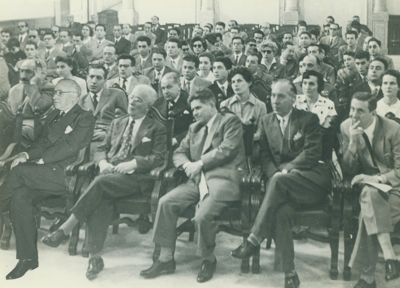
x,y
212,156
371,146
39,172
291,147
175,102
134,145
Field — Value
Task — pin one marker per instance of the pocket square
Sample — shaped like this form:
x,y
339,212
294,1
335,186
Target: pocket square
x,y
68,130
297,136
186,112
145,139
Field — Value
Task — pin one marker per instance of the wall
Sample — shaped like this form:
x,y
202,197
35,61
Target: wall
x,y
393,7
26,9
342,10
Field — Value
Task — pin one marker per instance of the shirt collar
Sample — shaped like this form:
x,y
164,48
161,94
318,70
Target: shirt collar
x,y
98,93
285,118
210,122
137,121
251,100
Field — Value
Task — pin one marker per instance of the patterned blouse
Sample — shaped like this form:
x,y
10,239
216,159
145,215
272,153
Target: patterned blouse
x,y
324,108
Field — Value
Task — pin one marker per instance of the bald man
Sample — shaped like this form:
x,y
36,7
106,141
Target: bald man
x,y
39,172
134,145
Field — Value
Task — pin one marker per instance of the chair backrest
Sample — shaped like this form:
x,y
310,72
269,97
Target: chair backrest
x,y
248,140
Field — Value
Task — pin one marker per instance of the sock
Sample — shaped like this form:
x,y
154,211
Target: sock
x,y
386,246
68,225
166,254
253,239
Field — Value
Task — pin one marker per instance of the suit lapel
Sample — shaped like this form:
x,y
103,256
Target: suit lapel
x,y
102,101
210,136
144,126
377,143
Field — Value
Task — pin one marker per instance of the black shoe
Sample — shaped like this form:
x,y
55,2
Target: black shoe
x,y
206,271
21,268
96,265
392,268
54,239
245,250
292,281
363,284
159,268
5,237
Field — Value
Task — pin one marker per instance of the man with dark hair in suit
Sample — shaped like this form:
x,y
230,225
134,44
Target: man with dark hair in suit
x,y
101,41
174,101
126,79
106,104
238,57
143,59
158,31
221,88
135,144
291,150
39,172
174,55
23,33
212,156
371,147
158,69
122,45
190,82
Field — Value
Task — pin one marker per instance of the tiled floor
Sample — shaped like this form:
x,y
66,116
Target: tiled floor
x,y
129,252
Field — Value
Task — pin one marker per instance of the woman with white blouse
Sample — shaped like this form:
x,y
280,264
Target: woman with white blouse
x,y
206,60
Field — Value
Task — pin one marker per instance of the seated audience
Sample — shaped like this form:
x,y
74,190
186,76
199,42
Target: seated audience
x,y
206,61
221,86
374,49
390,102
143,59
190,82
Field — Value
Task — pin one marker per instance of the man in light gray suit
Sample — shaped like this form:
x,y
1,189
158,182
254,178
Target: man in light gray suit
x,y
212,157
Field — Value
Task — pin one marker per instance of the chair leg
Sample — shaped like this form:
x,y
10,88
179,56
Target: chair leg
x,y
348,236
6,228
334,243
255,264
268,243
73,241
85,252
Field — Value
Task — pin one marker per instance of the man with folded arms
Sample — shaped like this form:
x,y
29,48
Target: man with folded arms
x,y
212,157
290,148
39,172
134,145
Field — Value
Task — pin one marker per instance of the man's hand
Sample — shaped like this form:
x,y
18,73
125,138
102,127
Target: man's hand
x,y
105,167
362,178
125,167
192,168
356,130
20,158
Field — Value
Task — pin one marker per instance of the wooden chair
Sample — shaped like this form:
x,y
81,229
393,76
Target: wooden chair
x,y
137,205
326,215
235,219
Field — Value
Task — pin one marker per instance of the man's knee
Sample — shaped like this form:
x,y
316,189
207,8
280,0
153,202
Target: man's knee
x,y
369,194
284,214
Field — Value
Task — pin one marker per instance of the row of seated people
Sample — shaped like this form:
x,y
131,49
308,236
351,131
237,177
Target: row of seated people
x,y
300,138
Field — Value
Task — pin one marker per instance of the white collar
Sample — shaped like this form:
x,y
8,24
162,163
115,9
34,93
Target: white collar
x,y
284,118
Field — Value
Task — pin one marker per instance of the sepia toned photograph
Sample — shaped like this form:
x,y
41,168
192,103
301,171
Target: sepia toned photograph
x,y
200,143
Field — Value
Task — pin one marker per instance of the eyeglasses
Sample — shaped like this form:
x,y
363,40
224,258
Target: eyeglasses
x,y
124,65
59,92
267,51
198,46
142,46
185,49
252,45
54,31
21,26
32,36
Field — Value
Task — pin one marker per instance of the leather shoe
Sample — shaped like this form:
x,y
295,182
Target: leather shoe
x,y
54,239
362,284
206,271
21,268
159,268
392,268
96,265
292,281
245,250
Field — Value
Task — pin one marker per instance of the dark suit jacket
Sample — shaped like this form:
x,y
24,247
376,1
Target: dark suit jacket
x,y
123,46
112,103
148,146
299,148
181,113
61,140
334,47
241,62
219,94
146,64
222,155
149,73
364,87
80,58
161,36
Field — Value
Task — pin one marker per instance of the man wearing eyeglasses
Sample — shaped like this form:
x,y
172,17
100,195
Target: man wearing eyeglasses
x,y
23,34
38,172
334,40
33,36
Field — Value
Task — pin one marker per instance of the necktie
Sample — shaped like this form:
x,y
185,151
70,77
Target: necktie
x,y
125,145
47,54
203,188
282,125
187,86
157,78
237,60
124,83
95,100
331,42
21,37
